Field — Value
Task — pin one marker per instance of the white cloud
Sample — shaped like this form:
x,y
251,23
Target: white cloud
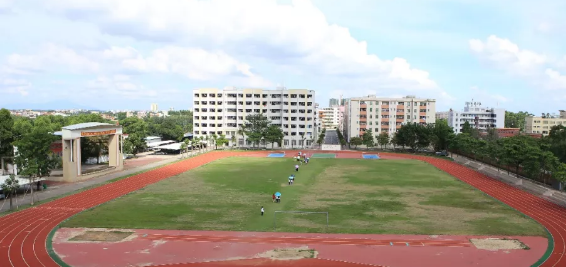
x,y
196,64
526,64
557,80
12,86
123,87
507,55
119,52
48,58
297,34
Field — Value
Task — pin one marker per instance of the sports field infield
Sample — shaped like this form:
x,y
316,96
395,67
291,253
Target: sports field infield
x,y
361,196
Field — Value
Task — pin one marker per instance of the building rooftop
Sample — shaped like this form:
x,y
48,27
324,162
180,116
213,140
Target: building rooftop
x,y
88,125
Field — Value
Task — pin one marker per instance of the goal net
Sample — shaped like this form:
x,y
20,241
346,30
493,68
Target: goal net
x,y
312,220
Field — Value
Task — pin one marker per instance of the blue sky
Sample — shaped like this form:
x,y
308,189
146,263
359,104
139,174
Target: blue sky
x,y
126,54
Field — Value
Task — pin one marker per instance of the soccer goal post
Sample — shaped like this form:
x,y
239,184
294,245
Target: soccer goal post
x,y
298,212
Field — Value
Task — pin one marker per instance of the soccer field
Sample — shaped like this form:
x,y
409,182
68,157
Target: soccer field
x,y
361,196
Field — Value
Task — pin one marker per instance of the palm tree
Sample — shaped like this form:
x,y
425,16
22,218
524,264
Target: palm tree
x,y
303,138
233,138
183,149
215,140
192,143
242,132
206,138
200,144
10,186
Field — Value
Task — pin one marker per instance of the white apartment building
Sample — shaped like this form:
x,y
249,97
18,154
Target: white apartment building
x,y
385,114
154,107
331,118
223,111
479,117
542,125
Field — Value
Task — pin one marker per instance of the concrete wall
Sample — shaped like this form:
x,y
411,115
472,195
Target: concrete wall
x,y
331,147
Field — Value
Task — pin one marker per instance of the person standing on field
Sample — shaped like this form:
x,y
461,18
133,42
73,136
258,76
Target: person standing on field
x,y
262,210
297,167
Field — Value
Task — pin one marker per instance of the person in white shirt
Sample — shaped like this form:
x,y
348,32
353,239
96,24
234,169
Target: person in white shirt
x,y
296,167
262,210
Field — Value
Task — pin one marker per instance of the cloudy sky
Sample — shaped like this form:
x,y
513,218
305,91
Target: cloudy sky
x,y
126,54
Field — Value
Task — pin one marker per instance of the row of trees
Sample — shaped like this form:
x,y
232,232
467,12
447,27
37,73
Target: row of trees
x,y
539,159
414,136
34,137
258,129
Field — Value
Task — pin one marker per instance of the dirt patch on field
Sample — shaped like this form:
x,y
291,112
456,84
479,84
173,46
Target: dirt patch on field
x,y
102,236
498,244
289,253
333,184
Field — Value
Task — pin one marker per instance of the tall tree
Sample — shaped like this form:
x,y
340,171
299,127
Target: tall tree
x,y
274,134
320,138
168,128
135,125
233,139
491,135
121,116
242,132
441,135
367,139
10,187
214,138
560,173
6,135
557,142
395,140
135,143
516,120
221,140
414,136
22,126
256,126
184,146
467,128
519,150
356,141
383,139
34,157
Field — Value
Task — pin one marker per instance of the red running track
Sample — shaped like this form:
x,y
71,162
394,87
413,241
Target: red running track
x,y
23,234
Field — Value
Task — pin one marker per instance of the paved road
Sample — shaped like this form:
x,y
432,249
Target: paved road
x,y
331,138
61,189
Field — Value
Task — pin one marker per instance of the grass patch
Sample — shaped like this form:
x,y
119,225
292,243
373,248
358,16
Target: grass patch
x,y
23,207
395,197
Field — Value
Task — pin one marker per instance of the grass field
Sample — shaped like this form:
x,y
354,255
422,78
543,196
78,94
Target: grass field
x,y
361,196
